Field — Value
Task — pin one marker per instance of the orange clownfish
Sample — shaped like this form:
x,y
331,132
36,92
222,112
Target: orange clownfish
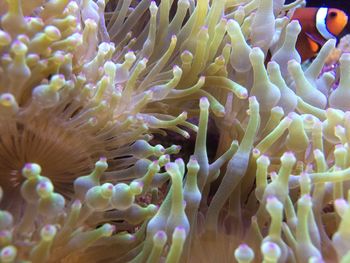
x,y
317,26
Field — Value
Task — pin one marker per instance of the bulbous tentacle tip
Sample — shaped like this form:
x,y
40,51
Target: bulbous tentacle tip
x,y
243,253
31,169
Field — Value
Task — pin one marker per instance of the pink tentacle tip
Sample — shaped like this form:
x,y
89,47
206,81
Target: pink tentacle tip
x,y
243,94
28,166
272,246
42,186
256,152
76,203
204,102
252,99
7,97
139,184
180,229
132,237
307,198
289,154
340,203
161,234
180,232
168,166
243,246
271,198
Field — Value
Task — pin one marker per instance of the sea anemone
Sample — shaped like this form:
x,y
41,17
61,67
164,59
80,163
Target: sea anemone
x,y
86,86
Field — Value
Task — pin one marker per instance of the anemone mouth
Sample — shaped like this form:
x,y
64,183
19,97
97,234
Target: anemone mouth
x,y
62,152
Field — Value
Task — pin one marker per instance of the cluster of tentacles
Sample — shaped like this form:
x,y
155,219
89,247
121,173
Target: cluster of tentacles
x,y
86,86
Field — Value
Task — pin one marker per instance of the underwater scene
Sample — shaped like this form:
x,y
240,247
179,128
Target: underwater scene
x,y
174,131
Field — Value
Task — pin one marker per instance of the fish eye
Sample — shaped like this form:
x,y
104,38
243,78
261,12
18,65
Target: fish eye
x,y
333,14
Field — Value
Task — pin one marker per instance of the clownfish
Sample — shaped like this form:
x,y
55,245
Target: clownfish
x,y
317,26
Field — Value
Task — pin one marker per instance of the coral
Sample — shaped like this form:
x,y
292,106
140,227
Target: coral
x,y
85,86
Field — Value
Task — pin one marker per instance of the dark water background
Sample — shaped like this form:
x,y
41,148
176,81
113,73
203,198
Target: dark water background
x,y
341,4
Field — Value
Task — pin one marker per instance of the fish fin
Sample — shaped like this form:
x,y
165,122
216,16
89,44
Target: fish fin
x,y
315,39
314,46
